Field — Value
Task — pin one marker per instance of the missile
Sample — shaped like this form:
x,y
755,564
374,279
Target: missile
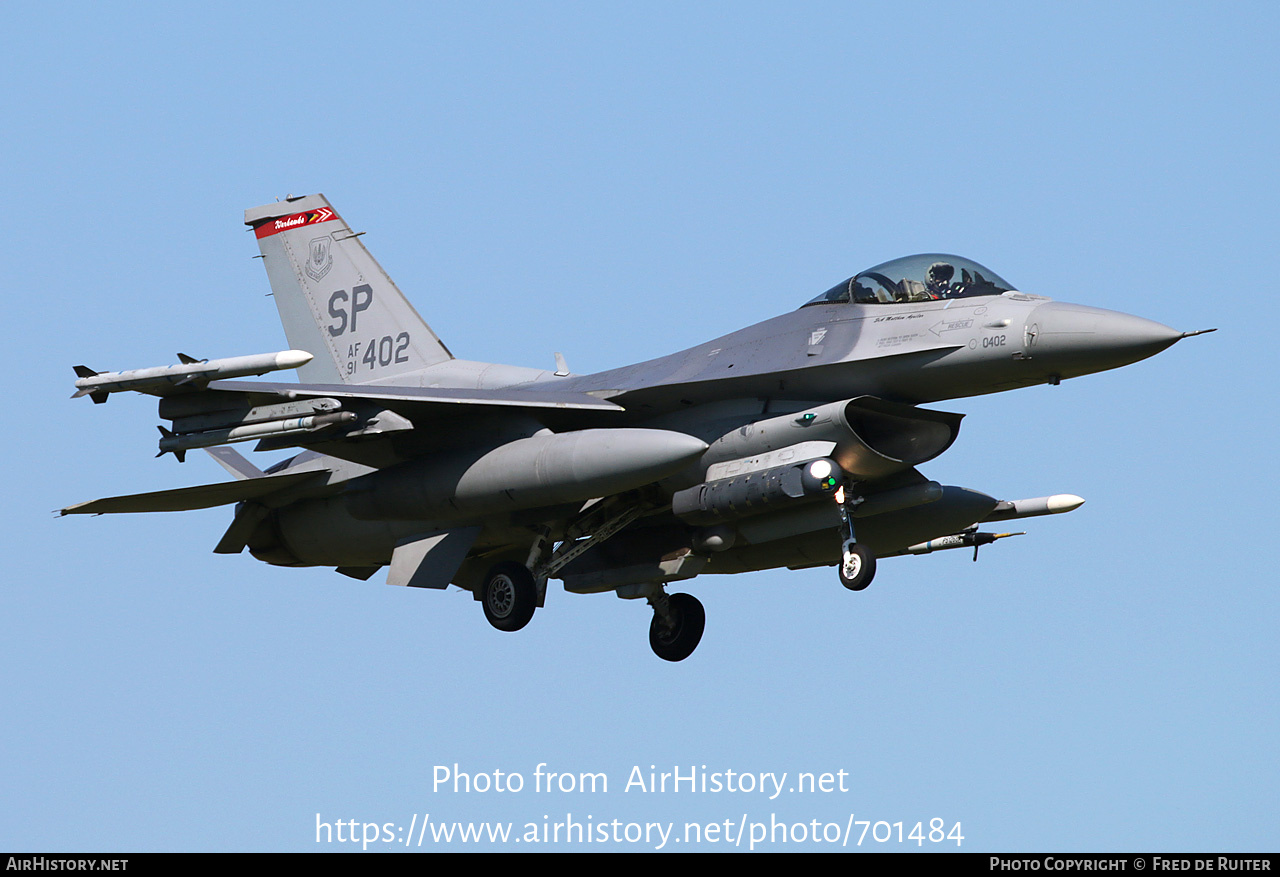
x,y
159,381
1059,503
183,442
968,539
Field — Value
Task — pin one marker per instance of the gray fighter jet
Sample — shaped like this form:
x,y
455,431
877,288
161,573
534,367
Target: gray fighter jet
x,y
791,443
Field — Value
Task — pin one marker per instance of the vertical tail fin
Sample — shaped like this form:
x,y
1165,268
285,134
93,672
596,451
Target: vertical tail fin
x,y
334,297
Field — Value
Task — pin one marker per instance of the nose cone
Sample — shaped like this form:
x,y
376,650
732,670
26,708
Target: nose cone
x,y
292,359
1077,340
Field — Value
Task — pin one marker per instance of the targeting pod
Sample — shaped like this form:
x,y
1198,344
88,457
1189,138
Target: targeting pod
x,y
753,493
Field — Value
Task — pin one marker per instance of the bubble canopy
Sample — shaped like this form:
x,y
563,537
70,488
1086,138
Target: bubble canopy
x,y
926,277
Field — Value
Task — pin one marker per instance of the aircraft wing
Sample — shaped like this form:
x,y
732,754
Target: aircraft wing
x,y
534,397
209,410
329,416
203,496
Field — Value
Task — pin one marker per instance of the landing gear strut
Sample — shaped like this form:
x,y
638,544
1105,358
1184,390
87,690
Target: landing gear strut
x,y
857,563
509,595
678,622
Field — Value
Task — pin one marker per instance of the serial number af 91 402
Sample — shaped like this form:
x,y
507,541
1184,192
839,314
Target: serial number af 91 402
x,y
377,352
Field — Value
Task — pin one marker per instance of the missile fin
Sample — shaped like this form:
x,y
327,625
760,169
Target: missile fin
x,y
180,453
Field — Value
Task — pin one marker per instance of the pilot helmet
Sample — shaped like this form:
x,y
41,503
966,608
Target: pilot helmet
x,y
940,273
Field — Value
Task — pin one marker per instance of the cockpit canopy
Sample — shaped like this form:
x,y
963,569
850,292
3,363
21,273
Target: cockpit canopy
x,y
927,277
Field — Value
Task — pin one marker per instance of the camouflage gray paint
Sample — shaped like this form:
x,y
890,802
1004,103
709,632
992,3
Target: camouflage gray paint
x,y
793,442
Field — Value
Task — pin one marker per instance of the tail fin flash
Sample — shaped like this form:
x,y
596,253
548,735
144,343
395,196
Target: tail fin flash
x,y
333,296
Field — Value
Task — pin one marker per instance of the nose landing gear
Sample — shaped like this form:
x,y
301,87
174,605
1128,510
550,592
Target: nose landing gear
x,y
857,566
857,563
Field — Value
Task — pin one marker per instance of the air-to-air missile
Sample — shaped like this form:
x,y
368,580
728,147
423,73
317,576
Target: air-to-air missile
x,y
289,426
1005,510
190,371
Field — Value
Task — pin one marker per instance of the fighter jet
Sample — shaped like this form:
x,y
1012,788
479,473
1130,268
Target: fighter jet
x,y
791,443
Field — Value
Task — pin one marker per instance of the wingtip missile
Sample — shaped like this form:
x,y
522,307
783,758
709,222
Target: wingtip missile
x,y
189,372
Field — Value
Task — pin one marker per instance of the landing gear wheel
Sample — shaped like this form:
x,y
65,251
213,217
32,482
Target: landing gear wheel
x,y
675,637
509,596
857,566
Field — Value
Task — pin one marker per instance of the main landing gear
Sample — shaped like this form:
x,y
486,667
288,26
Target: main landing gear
x,y
678,622
511,591
509,595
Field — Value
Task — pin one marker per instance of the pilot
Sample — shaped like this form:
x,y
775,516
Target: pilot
x,y
938,280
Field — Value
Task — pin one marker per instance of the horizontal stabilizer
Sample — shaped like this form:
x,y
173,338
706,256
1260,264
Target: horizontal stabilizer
x,y
234,462
204,496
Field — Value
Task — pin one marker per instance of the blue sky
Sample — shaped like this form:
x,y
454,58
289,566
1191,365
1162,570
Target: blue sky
x,y
619,182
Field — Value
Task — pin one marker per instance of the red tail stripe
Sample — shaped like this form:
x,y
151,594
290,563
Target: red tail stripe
x,y
284,223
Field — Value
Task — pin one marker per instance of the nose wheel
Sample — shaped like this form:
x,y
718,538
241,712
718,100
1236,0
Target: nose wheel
x,y
857,563
678,622
857,566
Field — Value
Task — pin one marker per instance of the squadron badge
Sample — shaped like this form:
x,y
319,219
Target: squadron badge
x,y
320,259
